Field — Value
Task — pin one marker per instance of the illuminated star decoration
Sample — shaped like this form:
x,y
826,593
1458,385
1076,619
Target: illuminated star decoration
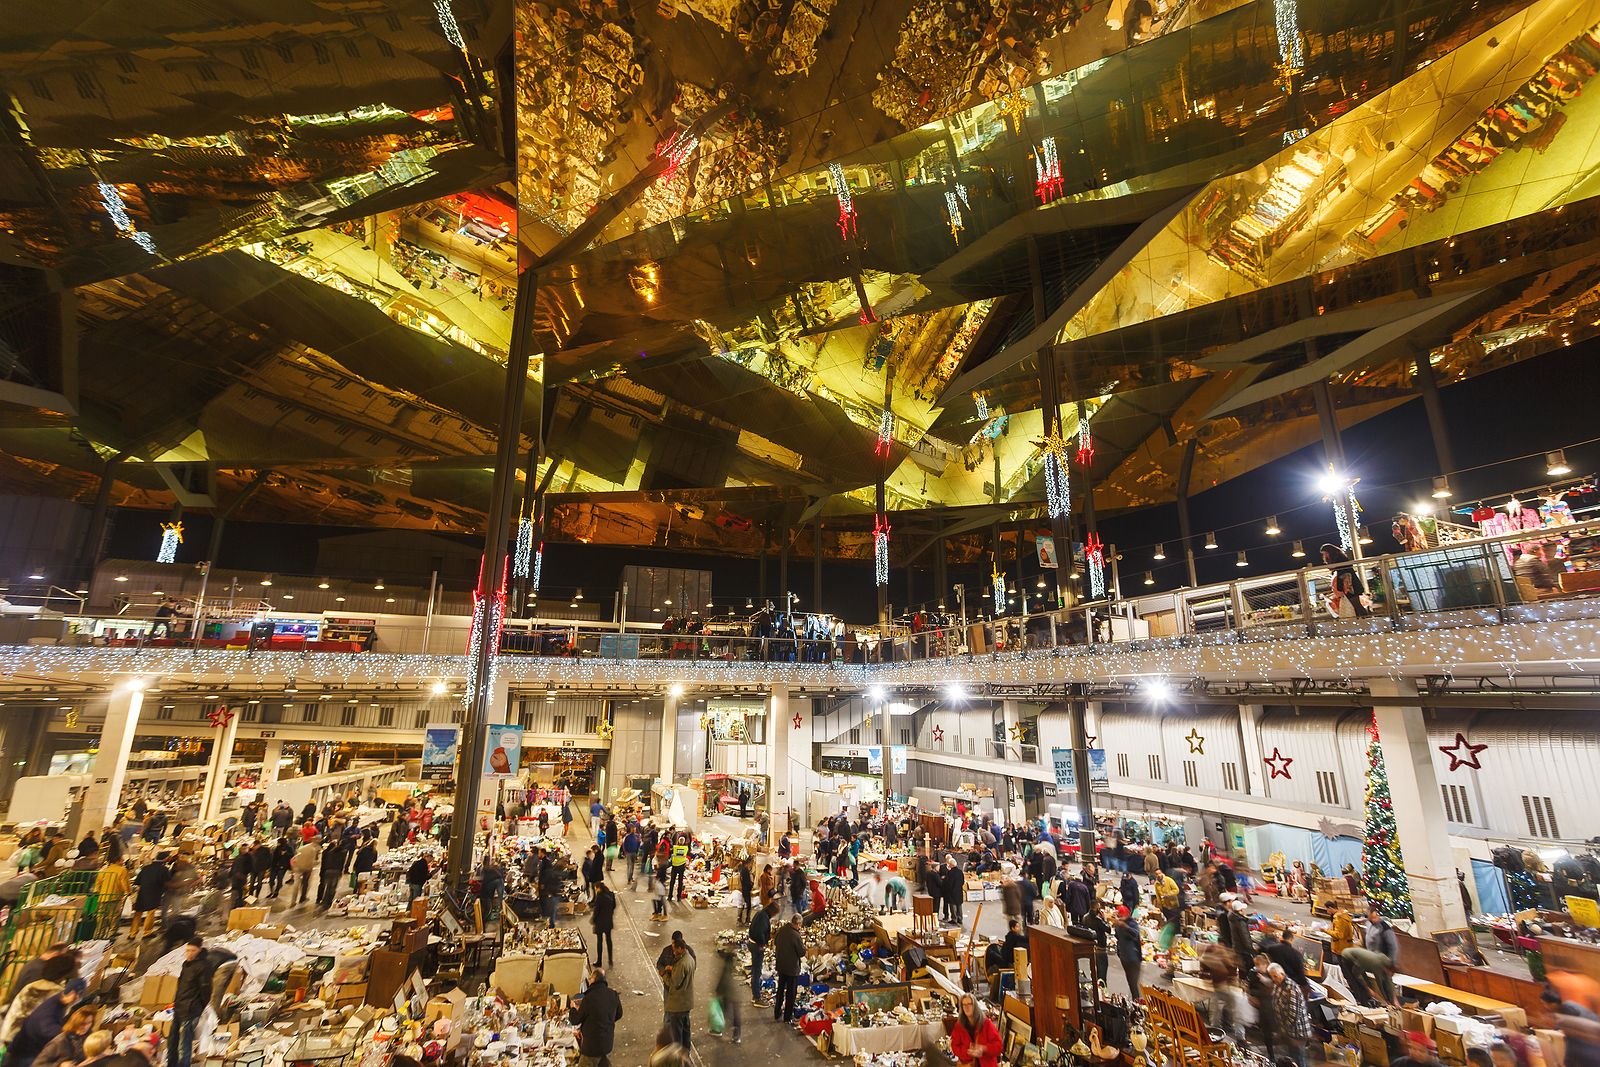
x,y
221,715
1279,764
1197,743
1455,752
171,538
1016,730
72,718
798,721
847,204
606,729
938,735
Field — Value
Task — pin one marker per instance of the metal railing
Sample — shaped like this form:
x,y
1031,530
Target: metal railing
x,y
1462,583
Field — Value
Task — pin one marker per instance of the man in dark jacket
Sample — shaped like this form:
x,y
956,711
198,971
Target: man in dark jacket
x,y
1281,950
417,876
595,1015
789,956
330,874
954,883
760,935
282,818
550,888
797,887
366,859
43,1024
194,994
1079,898
260,865
150,892
1129,887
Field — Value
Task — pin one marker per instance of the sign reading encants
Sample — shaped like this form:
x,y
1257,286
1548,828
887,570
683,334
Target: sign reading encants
x,y
1066,777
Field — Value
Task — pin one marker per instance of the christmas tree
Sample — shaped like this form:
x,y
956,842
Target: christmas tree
x,y
1385,876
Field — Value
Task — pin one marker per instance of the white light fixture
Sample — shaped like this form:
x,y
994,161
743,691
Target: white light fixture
x,y
876,694
1299,550
1422,507
211,696
655,611
120,578
1441,487
676,689
1273,530
288,596
339,599
1364,536
1149,579
1555,463
36,576
1331,482
378,585
954,692
1156,689
267,581
134,685
667,601
1211,540
440,689
1040,583
1160,553
323,584
1241,561
749,605
579,596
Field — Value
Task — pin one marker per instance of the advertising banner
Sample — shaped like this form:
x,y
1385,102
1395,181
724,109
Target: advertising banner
x,y
441,742
503,753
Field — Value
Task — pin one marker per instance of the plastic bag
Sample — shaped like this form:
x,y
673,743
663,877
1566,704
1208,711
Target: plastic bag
x,y
611,852
716,1018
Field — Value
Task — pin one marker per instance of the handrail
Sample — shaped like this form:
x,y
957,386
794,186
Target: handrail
x,y
1472,574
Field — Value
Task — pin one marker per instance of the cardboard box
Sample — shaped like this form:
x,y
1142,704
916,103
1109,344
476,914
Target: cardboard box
x,y
1452,1049
269,933
1342,1055
347,993
159,991
1413,1020
451,1004
247,918
1374,1048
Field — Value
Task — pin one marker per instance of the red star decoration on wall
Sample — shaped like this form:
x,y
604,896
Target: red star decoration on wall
x,y
220,716
1279,764
1462,745
938,735
798,721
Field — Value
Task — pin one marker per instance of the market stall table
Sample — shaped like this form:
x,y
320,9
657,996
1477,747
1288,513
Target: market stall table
x,y
901,1037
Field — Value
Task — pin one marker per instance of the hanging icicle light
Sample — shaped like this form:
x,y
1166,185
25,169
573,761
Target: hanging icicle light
x,y
118,213
523,555
447,23
538,569
171,538
676,150
1048,166
952,210
980,400
847,204
487,611
1057,483
999,582
885,433
1085,442
1094,553
1291,46
880,549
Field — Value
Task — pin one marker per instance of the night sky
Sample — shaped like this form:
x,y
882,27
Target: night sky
x,y
1519,411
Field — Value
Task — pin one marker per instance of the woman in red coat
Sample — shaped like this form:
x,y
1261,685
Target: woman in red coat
x,y
975,1040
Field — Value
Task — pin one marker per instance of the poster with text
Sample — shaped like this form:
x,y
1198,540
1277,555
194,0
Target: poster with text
x,y
1046,547
1065,778
441,741
1098,774
503,753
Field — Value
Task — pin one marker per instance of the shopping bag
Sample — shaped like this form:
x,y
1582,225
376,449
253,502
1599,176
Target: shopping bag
x,y
718,1021
611,852
1165,938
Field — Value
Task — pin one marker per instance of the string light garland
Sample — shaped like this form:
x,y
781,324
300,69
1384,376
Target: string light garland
x,y
448,24
538,569
1291,46
1047,164
847,204
171,538
980,400
885,433
117,211
999,584
880,548
1085,442
487,611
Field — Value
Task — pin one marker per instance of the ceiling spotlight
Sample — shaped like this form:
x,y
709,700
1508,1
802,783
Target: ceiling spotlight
x,y
579,596
1211,540
1364,536
120,578
323,584
339,599
1273,529
709,604
954,692
1422,507
749,604
288,596
1241,561
1299,550
352,700
1161,552
1441,487
655,611
36,576
134,685
676,689
211,696
1156,689
1040,583
667,601
1555,463
440,689
291,687
877,694
378,585
252,701
1149,579
267,581
1331,482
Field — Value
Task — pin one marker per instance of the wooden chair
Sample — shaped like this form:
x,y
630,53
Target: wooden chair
x,y
1180,1034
